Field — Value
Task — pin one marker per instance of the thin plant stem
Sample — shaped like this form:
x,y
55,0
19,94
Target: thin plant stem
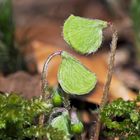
x,y
66,101
44,72
107,85
44,88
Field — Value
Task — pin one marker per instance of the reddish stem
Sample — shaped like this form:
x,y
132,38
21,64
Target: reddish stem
x,y
44,72
45,83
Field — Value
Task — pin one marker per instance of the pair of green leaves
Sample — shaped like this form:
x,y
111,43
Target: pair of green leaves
x,y
85,37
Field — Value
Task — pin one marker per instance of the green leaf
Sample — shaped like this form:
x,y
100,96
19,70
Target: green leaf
x,y
73,77
61,123
83,35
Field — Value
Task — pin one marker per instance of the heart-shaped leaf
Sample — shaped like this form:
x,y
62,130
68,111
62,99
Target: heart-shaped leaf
x,y
73,77
83,35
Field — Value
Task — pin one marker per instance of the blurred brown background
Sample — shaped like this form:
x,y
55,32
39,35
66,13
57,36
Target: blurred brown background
x,y
38,32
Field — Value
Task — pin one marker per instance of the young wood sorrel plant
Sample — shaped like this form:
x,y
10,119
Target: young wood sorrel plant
x,y
85,37
51,116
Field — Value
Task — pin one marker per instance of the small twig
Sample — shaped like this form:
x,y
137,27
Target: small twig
x,y
107,85
44,87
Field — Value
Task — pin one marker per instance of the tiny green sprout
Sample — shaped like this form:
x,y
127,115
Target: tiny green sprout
x,y
83,35
77,128
56,99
